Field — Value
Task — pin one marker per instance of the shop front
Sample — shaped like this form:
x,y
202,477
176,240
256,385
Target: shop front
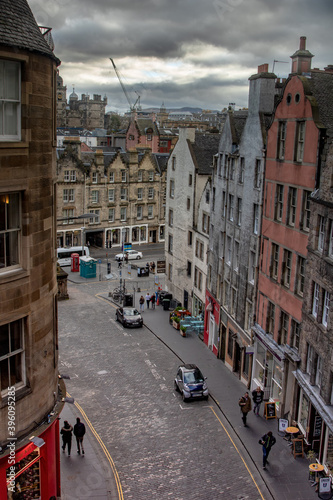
x,y
315,420
268,367
212,320
235,342
32,471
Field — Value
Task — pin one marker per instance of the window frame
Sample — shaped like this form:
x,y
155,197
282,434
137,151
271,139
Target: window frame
x,y
12,354
5,101
11,237
281,140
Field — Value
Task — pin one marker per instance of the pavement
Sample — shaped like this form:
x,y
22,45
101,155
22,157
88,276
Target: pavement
x,y
286,477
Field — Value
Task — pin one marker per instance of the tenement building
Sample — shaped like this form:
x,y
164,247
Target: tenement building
x,y
29,407
294,170
124,192
235,217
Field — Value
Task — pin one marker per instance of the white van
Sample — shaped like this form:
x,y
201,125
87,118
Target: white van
x,y
64,254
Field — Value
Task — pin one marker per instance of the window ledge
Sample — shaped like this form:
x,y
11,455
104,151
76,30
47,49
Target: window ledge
x,y
13,144
20,393
12,275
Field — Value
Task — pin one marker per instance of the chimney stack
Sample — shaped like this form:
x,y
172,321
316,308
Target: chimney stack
x,y
302,43
301,59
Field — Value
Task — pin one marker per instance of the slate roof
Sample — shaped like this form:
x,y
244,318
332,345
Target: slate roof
x,y
18,28
144,123
203,149
237,124
321,85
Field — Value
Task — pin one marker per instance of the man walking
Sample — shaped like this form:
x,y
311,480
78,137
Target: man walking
x,y
258,397
245,406
267,441
152,300
148,299
79,432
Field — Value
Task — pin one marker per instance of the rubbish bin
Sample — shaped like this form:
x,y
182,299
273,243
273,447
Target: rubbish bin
x,y
109,267
166,304
165,296
128,300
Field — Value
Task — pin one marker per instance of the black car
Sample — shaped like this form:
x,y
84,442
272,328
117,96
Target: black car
x,y
190,382
129,316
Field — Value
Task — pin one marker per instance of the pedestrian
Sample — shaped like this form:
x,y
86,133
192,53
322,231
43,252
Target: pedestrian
x,y
245,406
119,264
152,300
79,432
267,441
153,267
142,303
257,397
126,257
66,433
148,297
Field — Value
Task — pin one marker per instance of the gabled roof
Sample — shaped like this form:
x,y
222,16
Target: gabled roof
x,y
143,124
237,124
161,161
321,85
202,150
18,28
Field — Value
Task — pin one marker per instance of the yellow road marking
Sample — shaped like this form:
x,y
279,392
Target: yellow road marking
x,y
106,300
232,442
106,452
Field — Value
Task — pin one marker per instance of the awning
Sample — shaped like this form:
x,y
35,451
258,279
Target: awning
x,y
312,392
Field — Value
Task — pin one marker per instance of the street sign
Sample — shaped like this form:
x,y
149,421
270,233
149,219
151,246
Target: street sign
x,y
127,246
160,268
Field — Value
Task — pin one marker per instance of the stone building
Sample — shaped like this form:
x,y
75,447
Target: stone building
x,y
235,227
294,140
314,394
125,190
84,113
29,340
187,216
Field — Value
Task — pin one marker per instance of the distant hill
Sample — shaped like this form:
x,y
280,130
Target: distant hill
x,y
185,108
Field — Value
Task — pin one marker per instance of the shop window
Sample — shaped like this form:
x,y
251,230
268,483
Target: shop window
x,y
10,101
230,344
260,361
246,364
27,478
304,413
12,359
10,230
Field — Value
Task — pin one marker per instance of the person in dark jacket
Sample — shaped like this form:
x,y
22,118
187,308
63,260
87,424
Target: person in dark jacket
x,y
66,433
245,406
267,441
257,397
79,432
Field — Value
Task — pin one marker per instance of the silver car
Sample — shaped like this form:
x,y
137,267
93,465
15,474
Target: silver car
x,y
129,316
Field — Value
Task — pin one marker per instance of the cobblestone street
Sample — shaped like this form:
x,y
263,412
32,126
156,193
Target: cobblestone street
x,y
123,379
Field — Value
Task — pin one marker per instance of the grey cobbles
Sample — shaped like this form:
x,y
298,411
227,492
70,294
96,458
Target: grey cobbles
x,y
162,448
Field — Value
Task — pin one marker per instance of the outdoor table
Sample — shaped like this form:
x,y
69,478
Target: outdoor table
x,y
316,468
291,431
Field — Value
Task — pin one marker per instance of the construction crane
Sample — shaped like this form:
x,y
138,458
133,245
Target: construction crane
x,y
134,106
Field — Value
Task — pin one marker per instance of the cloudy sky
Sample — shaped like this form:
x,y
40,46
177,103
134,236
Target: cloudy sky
x,y
197,53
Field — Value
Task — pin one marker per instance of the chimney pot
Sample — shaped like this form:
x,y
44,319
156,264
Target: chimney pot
x,y
263,68
302,42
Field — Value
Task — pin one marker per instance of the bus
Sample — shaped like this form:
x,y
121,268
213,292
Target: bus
x,y
64,254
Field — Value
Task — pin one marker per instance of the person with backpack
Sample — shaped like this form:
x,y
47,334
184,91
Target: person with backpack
x,y
79,432
142,303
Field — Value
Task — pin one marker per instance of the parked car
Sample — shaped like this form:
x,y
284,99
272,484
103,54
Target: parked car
x,y
191,383
129,316
132,254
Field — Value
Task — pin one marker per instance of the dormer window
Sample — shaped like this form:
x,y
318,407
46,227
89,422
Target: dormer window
x,y
94,177
123,176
